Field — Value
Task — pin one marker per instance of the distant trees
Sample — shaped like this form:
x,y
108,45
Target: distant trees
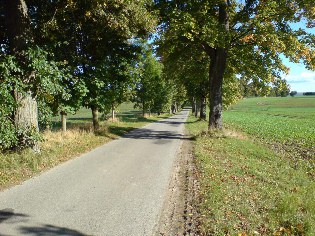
x,y
153,91
293,93
309,94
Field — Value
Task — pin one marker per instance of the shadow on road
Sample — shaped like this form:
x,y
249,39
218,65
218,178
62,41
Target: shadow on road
x,y
153,134
44,230
49,230
7,214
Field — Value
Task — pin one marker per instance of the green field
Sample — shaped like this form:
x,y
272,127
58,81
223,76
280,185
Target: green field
x,y
257,177
287,121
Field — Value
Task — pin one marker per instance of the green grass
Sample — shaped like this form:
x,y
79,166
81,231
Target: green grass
x,y
286,121
247,186
58,147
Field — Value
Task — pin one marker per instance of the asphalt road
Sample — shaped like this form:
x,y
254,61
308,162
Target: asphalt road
x,y
116,189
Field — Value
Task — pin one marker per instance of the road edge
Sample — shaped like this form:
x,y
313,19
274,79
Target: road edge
x,y
179,215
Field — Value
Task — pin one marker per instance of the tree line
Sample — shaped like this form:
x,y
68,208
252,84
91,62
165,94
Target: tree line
x,y
227,48
57,56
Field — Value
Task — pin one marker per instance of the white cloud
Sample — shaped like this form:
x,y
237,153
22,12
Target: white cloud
x,y
304,81
305,76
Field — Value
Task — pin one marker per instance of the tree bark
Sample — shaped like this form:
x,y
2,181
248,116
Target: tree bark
x,y
18,29
113,113
197,108
63,121
203,107
96,123
218,61
143,110
215,116
193,105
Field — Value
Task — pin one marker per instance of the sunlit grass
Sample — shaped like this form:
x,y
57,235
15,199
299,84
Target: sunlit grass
x,y
249,187
58,147
286,121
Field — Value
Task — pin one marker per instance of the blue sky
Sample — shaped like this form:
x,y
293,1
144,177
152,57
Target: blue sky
x,y
299,78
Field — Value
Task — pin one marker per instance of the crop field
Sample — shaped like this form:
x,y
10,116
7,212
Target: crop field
x,y
287,121
257,177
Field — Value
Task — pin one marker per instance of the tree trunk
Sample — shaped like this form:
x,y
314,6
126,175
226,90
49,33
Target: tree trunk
x,y
113,113
193,105
143,110
218,61
215,116
18,29
63,121
203,107
96,123
197,109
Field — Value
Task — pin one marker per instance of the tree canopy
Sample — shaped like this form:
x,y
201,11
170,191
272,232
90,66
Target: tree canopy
x,y
61,55
246,38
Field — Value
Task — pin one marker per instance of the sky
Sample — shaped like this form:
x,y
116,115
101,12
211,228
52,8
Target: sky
x,y
299,78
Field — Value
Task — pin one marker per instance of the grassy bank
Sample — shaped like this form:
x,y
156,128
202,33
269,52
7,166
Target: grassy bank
x,y
252,183
58,147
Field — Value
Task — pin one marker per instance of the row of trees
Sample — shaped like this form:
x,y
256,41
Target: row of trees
x,y
60,55
220,46
57,56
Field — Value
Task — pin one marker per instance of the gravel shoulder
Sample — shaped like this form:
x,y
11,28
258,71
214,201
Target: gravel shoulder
x,y
179,215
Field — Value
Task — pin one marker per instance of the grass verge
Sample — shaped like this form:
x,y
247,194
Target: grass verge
x,y
249,189
59,147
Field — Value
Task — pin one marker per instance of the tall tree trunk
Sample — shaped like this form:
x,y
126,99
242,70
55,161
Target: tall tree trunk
x,y
193,105
218,61
143,110
197,108
63,121
113,113
18,29
215,116
96,123
203,107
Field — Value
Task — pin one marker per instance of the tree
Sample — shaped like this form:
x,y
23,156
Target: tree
x,y
152,91
244,37
281,88
187,68
20,38
293,93
112,26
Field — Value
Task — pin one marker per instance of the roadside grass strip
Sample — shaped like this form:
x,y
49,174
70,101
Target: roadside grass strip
x,y
249,189
58,147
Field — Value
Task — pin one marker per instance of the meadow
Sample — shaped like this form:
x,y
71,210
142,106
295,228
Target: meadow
x,y
57,146
257,177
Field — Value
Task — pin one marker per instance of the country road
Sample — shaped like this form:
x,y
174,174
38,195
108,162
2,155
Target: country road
x,y
116,189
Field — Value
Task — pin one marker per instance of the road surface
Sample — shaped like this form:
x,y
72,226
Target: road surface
x,y
116,189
